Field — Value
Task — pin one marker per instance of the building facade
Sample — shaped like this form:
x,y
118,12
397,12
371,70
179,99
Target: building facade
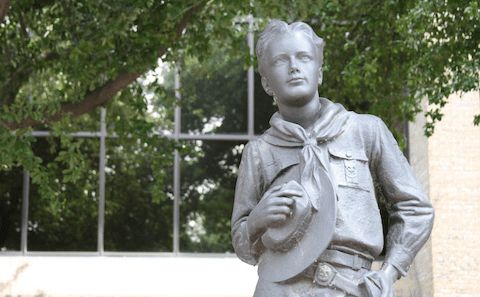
x,y
448,166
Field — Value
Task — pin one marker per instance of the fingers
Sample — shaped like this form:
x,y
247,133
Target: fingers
x,y
277,220
289,193
280,210
277,204
279,201
285,193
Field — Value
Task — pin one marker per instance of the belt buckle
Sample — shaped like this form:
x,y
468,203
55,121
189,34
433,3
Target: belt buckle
x,y
324,274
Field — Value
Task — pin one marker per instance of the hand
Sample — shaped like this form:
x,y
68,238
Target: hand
x,y
274,208
378,283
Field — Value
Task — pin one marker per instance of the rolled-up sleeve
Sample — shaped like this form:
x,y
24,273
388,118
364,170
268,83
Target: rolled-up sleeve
x,y
410,212
247,194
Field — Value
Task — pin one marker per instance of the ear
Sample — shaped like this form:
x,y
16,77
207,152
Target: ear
x,y
266,87
320,76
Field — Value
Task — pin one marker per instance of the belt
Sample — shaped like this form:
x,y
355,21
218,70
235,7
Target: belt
x,y
326,275
355,262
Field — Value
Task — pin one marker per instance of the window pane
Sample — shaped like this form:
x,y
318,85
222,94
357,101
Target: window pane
x,y
216,104
139,200
11,193
73,227
208,181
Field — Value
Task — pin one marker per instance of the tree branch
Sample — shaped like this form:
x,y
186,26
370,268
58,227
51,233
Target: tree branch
x,y
4,6
181,12
99,96
92,99
11,89
22,24
20,76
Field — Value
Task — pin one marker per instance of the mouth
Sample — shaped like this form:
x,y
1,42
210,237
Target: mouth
x,y
296,80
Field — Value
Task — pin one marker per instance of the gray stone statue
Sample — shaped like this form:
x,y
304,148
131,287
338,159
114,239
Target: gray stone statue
x,y
305,203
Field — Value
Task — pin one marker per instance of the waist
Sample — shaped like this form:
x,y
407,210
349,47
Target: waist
x,y
335,257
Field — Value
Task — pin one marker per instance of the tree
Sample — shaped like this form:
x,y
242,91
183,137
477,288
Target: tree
x,y
444,37
62,59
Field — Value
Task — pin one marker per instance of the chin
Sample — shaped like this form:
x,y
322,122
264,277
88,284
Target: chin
x,y
301,99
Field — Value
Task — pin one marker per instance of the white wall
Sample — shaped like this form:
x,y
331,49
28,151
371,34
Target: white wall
x,y
87,275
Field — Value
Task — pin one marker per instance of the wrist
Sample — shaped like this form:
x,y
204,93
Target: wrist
x,y
391,271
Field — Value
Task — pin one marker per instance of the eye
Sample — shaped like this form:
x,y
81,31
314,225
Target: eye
x,y
279,61
306,58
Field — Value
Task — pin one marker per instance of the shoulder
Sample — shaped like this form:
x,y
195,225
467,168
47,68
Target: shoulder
x,y
266,153
255,147
368,121
370,132
259,142
255,143
369,126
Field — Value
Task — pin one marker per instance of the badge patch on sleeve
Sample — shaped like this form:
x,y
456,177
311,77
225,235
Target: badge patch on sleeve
x,y
351,172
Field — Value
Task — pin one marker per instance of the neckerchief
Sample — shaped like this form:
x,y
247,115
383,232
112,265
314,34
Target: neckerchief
x,y
332,121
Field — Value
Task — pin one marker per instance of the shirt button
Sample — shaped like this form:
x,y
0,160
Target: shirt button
x,y
349,155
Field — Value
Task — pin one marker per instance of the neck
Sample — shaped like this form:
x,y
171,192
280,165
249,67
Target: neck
x,y
304,115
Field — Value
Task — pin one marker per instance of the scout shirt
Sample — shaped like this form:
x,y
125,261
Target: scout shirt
x,y
365,160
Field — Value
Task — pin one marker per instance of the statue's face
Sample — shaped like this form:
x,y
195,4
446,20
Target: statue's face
x,y
292,72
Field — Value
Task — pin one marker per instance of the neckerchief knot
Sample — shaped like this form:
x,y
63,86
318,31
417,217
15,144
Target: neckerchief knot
x,y
311,141
332,121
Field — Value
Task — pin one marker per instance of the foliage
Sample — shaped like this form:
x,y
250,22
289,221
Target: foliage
x,y
444,37
61,60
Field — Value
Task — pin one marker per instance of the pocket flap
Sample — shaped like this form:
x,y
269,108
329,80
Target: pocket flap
x,y
348,154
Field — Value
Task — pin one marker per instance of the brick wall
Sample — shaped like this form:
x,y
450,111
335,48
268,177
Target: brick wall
x,y
448,167
454,168
419,281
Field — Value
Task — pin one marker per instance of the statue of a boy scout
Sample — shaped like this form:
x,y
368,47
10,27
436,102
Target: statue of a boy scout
x,y
305,204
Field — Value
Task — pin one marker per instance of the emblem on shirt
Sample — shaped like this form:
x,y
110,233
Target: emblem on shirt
x,y
351,176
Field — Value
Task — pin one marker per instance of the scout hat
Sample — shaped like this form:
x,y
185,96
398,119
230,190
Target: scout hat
x,y
286,236
295,245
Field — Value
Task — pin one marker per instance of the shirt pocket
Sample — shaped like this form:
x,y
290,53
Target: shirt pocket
x,y
350,168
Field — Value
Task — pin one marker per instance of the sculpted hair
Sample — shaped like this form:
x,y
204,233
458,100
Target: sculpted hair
x,y
278,27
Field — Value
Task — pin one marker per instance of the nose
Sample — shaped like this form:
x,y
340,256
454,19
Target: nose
x,y
294,70
293,67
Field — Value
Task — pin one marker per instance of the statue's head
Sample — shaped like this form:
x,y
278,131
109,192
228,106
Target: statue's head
x,y
290,59
278,27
